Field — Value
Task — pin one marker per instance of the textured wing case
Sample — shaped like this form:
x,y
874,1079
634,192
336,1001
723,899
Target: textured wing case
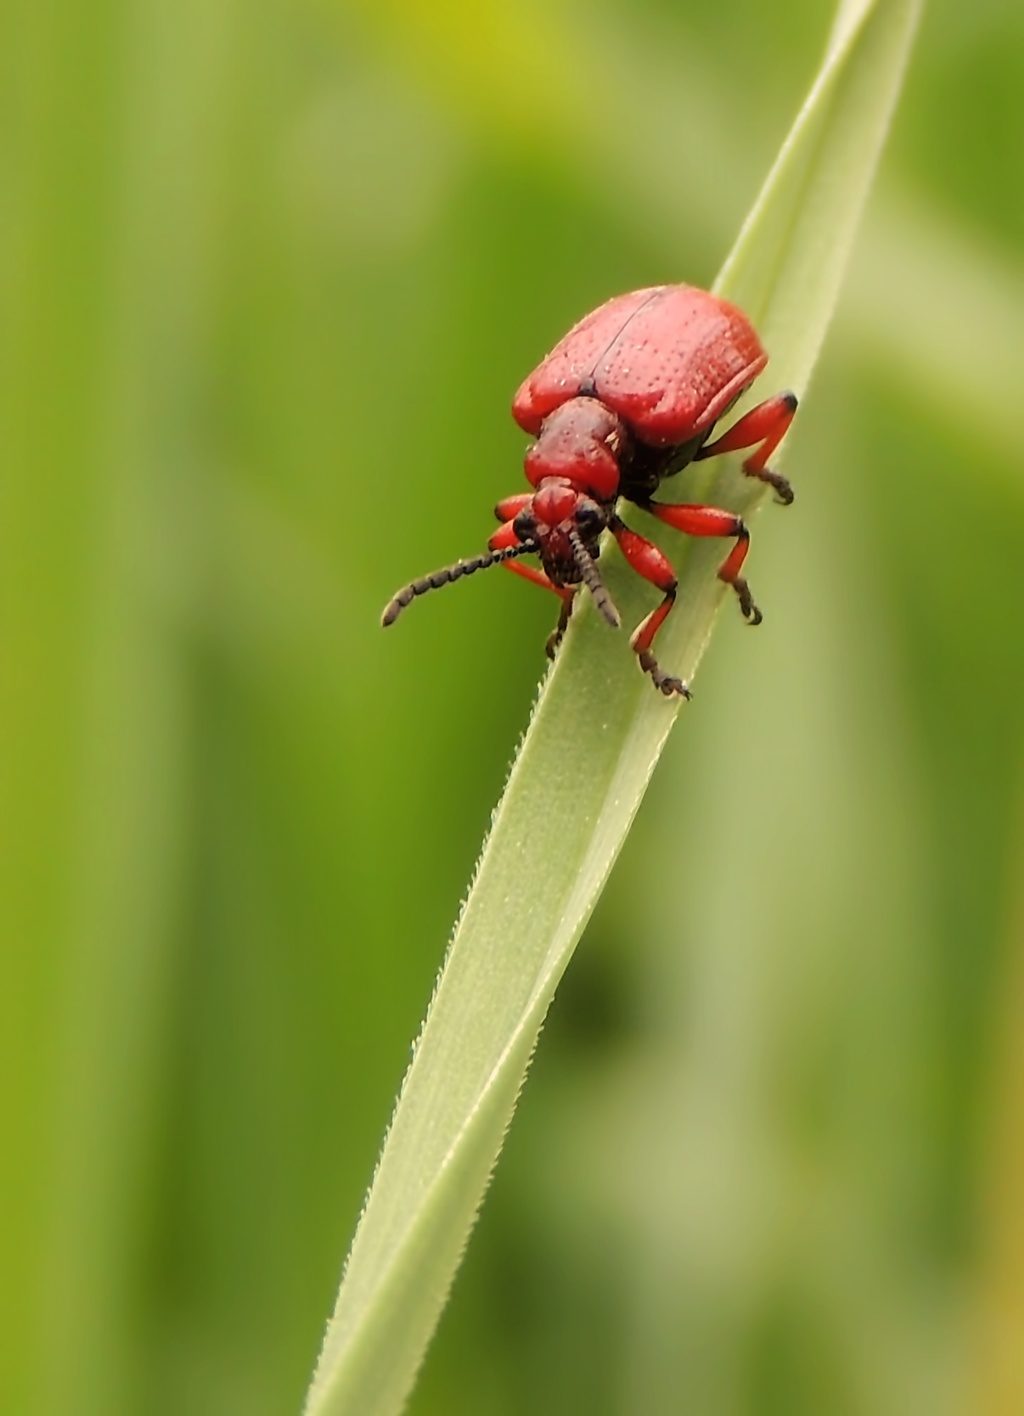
x,y
668,360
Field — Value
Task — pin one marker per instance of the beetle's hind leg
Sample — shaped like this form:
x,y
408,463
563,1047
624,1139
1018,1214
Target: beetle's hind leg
x,y
766,425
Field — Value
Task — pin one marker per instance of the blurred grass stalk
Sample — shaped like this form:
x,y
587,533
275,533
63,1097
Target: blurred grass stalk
x,y
592,745
101,262
996,1375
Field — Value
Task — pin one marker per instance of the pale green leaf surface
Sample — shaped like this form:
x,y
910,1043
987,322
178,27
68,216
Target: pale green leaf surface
x,y
587,757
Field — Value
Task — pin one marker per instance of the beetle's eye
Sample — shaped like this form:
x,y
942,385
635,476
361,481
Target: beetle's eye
x,y
589,517
524,525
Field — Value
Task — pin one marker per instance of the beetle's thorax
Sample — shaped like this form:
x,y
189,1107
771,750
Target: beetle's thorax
x,y
583,443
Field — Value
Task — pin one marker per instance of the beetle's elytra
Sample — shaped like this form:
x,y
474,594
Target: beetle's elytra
x,y
629,397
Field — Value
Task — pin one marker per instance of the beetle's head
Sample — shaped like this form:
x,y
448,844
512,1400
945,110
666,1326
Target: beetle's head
x,y
584,443
564,525
574,468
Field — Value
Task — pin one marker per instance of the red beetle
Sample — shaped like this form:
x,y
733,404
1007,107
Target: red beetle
x,y
629,397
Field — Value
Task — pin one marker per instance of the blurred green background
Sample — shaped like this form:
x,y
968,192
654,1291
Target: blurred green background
x,y
269,276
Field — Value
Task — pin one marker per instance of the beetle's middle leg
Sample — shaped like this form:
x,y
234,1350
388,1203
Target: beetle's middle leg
x,y
766,425
712,521
648,561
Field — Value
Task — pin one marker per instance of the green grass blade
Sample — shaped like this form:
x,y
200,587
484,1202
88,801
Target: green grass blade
x,y
582,770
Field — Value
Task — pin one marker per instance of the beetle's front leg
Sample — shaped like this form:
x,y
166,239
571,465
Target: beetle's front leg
x,y
766,424
510,507
555,637
506,536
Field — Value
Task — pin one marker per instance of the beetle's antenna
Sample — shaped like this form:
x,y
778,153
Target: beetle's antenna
x,y
591,577
450,573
